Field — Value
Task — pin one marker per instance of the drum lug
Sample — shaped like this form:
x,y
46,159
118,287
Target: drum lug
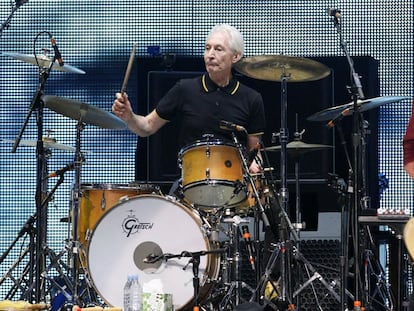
x,y
208,152
88,234
103,201
208,173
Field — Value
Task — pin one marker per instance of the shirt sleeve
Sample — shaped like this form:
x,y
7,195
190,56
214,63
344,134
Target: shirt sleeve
x,y
257,122
168,105
408,140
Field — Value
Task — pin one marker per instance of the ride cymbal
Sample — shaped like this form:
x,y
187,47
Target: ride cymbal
x,y
83,112
274,67
298,148
43,61
348,109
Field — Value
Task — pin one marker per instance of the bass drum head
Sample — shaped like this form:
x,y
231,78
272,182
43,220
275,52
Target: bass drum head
x,y
149,225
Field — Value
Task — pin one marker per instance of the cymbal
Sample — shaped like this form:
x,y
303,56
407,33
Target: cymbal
x,y
298,148
364,105
48,143
83,112
44,62
272,67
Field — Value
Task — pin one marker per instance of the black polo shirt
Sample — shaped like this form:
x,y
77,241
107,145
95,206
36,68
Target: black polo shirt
x,y
199,105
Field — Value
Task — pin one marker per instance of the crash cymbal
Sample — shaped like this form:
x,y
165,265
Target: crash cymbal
x,y
83,112
49,143
272,67
44,62
298,148
348,109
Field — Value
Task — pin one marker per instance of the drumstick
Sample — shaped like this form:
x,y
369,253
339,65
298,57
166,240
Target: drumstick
x,y
128,71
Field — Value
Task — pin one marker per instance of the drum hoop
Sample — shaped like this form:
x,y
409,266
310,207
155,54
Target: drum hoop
x,y
129,186
200,143
208,182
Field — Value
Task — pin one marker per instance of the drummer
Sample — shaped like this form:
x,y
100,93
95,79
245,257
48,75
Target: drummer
x,y
202,103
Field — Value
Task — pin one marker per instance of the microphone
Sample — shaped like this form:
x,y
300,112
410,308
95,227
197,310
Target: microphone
x,y
60,172
249,245
58,56
334,12
152,258
229,126
344,113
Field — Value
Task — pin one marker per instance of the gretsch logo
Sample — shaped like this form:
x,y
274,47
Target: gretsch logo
x,y
132,225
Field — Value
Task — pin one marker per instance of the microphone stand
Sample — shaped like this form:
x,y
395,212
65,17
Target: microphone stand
x,y
6,24
195,261
41,212
260,208
346,206
259,212
356,93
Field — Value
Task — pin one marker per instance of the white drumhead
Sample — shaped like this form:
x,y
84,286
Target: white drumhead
x,y
134,229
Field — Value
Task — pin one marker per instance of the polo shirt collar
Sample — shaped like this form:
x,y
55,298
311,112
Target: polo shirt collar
x,y
209,86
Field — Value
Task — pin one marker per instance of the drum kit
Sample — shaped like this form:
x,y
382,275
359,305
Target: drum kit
x,y
194,242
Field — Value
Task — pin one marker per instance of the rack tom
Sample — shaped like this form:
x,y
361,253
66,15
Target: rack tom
x,y
212,174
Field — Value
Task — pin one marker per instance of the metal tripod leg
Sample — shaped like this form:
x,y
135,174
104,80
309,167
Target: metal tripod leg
x,y
372,268
266,277
315,276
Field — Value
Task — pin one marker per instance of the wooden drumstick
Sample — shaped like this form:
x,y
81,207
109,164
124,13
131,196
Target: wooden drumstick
x,y
128,71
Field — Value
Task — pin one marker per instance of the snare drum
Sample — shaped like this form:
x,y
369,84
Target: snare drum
x,y
150,225
212,174
97,199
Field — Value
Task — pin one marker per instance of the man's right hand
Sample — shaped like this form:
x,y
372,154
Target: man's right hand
x,y
122,107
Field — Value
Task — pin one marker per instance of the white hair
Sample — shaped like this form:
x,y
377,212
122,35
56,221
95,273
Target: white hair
x,y
236,41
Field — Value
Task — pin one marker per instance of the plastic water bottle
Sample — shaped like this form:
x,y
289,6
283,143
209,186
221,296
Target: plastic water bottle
x,y
135,297
127,294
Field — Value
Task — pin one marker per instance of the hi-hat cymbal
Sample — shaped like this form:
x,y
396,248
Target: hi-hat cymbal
x,y
273,67
83,112
44,62
348,109
298,148
48,143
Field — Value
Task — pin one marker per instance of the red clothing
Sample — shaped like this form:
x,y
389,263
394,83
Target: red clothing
x,y
408,140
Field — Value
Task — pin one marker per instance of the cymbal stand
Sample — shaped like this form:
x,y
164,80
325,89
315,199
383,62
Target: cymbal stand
x,y
38,293
284,191
356,93
28,229
75,199
315,276
298,225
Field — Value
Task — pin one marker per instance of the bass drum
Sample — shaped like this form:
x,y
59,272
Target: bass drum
x,y
149,226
